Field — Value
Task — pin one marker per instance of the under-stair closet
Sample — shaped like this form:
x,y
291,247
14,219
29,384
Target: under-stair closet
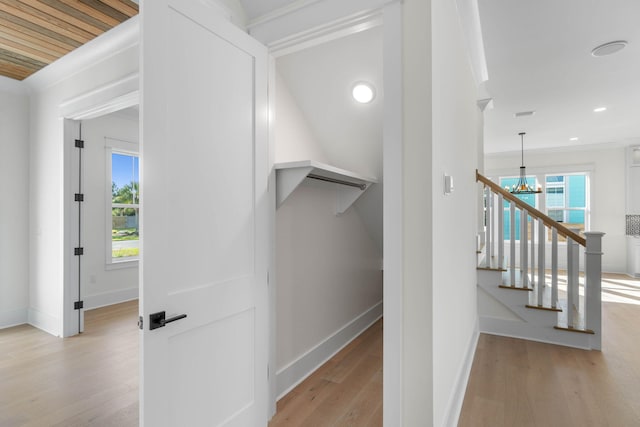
x,y
328,190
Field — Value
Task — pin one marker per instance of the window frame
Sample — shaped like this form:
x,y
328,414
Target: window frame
x,y
127,148
541,173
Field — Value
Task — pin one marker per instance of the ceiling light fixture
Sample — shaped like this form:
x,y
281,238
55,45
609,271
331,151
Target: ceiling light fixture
x,y
575,138
599,109
522,187
363,92
609,48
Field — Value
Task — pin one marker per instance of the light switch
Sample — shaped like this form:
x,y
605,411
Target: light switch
x,y
448,185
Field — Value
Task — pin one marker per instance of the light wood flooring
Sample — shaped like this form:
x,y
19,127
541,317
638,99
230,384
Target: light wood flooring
x,y
524,383
92,380
87,380
345,391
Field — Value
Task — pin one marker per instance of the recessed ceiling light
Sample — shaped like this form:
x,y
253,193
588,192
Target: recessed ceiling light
x,y
599,109
363,92
609,48
575,138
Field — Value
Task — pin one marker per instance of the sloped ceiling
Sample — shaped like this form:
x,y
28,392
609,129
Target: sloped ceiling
x,y
321,78
34,33
539,58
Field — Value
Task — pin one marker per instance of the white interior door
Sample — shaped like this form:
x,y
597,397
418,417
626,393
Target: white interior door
x,y
204,218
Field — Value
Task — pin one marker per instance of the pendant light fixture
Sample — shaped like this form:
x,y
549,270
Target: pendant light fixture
x,y
522,187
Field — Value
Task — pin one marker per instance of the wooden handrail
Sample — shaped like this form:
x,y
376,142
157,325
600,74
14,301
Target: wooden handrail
x,y
562,230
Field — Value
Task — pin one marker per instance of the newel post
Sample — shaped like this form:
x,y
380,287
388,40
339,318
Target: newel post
x,y
593,273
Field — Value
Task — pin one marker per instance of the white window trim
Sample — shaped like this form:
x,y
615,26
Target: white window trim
x,y
124,147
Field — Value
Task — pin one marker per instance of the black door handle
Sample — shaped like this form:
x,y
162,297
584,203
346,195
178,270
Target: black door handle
x,y
157,320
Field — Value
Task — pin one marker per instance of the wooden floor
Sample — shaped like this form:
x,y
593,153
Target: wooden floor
x,y
345,391
524,383
86,380
92,379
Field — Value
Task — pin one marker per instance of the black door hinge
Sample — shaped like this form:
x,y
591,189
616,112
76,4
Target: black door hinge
x,y
79,143
78,305
140,323
78,251
79,197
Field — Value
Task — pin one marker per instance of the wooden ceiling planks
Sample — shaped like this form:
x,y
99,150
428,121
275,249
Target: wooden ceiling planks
x,y
34,33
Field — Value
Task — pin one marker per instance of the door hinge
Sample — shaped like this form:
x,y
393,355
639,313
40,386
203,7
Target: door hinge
x,y
77,305
79,197
267,278
140,323
78,251
79,143
267,371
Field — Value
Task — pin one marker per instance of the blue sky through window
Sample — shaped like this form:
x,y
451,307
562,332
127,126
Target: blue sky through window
x,y
124,169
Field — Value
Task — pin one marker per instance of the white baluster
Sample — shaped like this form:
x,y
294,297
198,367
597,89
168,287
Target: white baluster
x,y
500,213
524,241
541,245
593,273
573,301
489,227
512,246
554,267
533,251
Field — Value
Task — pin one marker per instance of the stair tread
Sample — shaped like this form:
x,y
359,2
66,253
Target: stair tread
x,y
493,264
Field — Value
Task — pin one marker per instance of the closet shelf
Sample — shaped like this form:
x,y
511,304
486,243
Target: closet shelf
x,y
350,185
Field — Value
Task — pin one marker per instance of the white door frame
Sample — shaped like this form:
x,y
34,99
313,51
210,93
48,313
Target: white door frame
x,y
106,99
281,33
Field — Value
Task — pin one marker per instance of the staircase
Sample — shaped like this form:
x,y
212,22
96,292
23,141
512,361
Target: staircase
x,y
535,287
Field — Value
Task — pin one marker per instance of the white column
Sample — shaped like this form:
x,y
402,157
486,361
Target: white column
x,y
500,213
512,241
593,273
554,267
541,245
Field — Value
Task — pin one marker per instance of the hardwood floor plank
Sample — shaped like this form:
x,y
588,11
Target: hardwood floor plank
x,y
90,379
518,382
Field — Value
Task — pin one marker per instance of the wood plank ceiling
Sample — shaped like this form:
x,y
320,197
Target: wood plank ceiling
x,y
34,33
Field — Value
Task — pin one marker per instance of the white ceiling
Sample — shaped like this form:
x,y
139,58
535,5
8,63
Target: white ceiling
x,y
538,57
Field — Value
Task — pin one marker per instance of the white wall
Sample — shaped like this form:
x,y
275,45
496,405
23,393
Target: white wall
x,y
328,268
607,189
455,139
439,286
14,193
50,87
102,285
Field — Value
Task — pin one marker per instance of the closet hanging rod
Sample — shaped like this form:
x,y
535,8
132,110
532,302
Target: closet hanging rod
x,y
338,181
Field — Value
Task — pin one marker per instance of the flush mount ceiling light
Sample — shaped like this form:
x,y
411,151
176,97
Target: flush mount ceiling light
x,y
575,138
363,92
599,109
609,48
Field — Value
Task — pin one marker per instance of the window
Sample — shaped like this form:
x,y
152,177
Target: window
x,y
529,199
125,207
566,199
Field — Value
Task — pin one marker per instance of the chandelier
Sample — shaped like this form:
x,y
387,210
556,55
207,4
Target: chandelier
x,y
522,187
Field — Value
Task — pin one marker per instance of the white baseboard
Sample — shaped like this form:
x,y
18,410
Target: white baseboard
x,y
532,332
456,399
109,298
14,317
44,321
297,371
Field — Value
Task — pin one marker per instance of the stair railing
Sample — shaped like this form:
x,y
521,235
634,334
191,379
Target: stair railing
x,y
585,317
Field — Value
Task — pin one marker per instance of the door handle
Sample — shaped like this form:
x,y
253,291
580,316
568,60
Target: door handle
x,y
157,320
